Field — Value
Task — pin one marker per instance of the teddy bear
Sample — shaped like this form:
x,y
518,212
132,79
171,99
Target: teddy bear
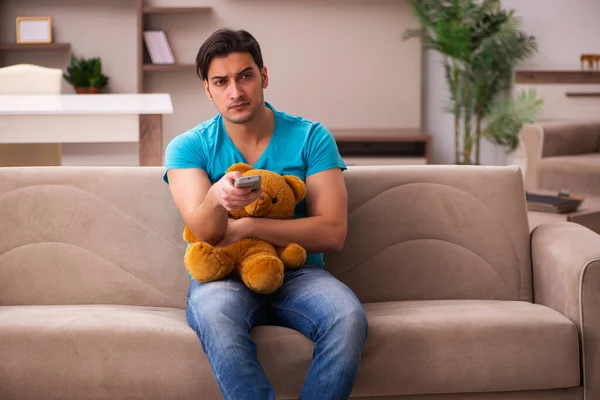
x,y
256,262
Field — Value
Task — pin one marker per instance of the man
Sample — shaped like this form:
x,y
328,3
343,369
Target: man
x,y
311,301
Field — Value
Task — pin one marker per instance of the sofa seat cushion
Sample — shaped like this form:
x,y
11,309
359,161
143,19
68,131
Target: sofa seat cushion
x,y
414,347
101,352
460,346
577,173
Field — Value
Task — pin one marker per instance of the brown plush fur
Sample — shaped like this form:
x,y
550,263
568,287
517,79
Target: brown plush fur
x,y
259,264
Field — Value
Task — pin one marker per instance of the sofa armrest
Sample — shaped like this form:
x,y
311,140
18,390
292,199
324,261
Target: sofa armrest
x,y
566,277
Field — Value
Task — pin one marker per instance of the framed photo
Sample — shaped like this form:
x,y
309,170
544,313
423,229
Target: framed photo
x,y
34,30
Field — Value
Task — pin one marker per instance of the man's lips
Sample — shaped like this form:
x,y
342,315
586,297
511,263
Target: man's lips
x,y
239,105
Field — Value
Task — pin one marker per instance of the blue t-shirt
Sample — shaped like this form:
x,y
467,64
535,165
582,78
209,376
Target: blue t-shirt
x,y
297,147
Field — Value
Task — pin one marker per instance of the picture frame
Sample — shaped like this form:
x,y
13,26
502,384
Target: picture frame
x,y
34,30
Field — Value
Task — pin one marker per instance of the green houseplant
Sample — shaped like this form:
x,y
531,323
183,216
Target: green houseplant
x,y
85,75
480,44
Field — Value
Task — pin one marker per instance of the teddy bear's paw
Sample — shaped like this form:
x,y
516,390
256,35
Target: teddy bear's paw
x,y
205,264
263,274
292,255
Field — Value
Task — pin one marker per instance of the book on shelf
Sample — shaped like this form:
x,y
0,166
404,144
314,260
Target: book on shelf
x,y
158,47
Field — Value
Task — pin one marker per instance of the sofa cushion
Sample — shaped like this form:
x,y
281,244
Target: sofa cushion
x,y
579,173
101,352
455,346
413,347
435,233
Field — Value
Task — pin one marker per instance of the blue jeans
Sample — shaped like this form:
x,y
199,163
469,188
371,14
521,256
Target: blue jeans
x,y
310,301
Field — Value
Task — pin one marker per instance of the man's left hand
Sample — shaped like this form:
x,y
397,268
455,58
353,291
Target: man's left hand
x,y
237,229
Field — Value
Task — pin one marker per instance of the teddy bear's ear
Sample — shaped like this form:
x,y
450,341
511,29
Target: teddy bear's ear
x,y
240,167
188,236
297,185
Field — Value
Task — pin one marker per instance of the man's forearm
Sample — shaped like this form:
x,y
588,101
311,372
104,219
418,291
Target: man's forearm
x,y
208,221
315,234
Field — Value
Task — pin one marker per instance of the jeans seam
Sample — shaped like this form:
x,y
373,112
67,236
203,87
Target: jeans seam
x,y
253,311
301,313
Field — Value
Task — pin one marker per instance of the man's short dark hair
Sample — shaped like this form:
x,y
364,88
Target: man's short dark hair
x,y
223,43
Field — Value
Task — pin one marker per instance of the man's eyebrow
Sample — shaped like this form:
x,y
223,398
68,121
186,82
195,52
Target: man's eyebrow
x,y
245,70
239,73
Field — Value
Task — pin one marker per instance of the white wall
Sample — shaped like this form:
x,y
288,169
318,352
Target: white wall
x,y
341,62
564,29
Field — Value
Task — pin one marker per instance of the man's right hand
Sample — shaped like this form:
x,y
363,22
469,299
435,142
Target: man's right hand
x,y
224,192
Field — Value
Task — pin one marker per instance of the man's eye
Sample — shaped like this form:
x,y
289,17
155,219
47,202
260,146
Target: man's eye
x,y
220,82
246,76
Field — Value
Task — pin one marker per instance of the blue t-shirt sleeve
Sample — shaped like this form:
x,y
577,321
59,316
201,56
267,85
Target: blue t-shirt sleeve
x,y
184,152
322,152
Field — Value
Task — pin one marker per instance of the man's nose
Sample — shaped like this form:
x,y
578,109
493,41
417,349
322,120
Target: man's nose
x,y
236,91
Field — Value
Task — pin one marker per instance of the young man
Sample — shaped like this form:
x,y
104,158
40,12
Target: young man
x,y
311,301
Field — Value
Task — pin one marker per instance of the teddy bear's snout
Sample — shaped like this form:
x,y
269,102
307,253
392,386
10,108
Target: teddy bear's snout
x,y
261,207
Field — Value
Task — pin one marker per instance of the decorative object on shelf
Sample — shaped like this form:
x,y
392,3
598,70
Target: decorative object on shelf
x,y
592,60
85,75
480,44
158,47
34,30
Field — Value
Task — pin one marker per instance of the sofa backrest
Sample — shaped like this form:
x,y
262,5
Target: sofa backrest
x,y
435,232
564,138
112,235
92,235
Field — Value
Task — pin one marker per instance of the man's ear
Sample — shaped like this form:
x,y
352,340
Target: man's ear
x,y
265,77
240,167
298,187
207,90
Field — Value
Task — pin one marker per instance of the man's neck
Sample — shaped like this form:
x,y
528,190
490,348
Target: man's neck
x,y
254,131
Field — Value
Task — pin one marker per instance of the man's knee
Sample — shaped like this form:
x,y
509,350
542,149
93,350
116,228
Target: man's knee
x,y
212,305
346,325
353,321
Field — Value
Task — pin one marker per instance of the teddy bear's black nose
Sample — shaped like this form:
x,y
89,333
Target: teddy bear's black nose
x,y
274,200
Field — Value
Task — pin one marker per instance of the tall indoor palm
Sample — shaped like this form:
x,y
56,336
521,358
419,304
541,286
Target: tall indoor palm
x,y
480,44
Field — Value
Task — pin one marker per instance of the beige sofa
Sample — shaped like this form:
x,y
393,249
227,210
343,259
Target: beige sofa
x,y
563,155
462,302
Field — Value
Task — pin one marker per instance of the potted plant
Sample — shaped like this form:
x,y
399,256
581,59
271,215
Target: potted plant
x,y
85,75
480,44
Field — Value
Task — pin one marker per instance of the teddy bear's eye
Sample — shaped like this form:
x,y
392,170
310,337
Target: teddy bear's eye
x,y
274,200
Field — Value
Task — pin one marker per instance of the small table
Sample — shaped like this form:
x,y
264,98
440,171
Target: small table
x,y
92,118
587,215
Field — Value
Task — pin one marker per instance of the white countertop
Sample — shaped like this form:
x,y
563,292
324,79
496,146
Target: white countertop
x,y
142,103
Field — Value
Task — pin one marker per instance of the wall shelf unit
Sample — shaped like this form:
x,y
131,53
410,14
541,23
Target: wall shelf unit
x,y
35,47
145,15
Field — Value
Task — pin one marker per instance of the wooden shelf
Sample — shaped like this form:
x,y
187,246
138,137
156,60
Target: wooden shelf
x,y
381,144
556,77
169,67
380,135
41,46
583,94
176,10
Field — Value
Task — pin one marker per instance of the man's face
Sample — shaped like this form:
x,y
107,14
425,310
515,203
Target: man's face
x,y
235,85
